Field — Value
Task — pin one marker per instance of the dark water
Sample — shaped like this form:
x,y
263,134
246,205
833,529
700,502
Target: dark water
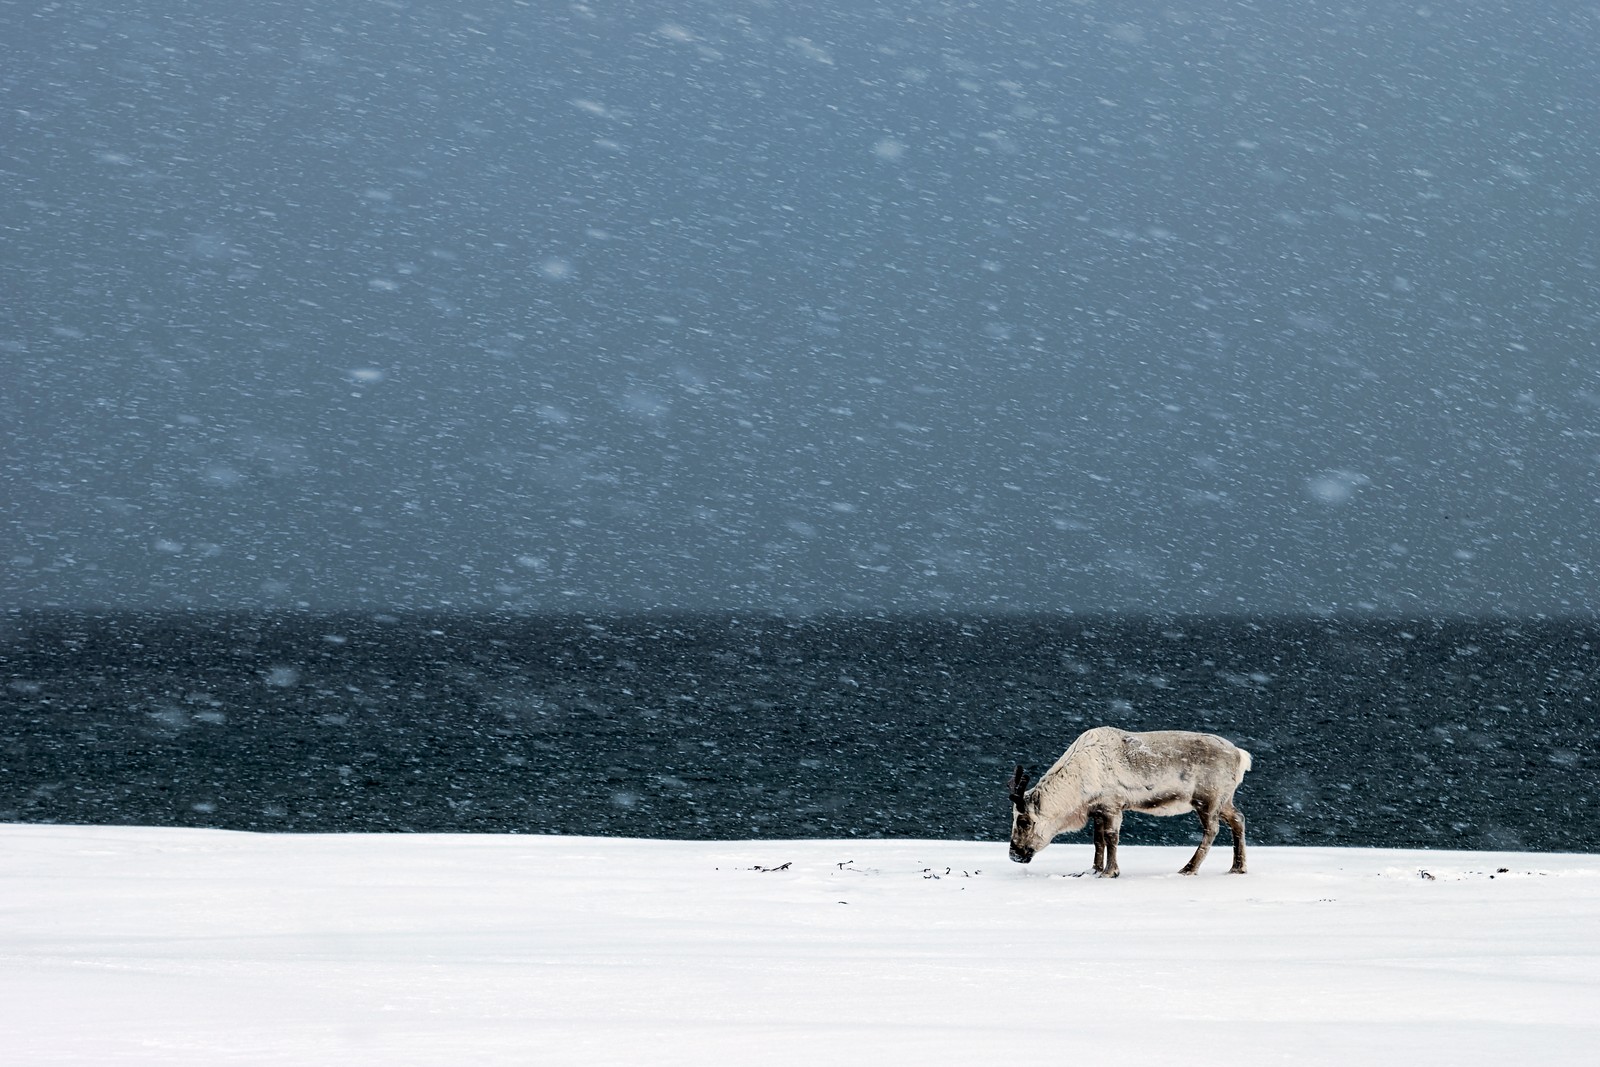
x,y
1437,734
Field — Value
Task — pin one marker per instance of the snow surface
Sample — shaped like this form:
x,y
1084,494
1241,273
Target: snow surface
x,y
168,946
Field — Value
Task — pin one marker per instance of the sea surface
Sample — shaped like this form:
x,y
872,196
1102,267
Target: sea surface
x,y
1414,733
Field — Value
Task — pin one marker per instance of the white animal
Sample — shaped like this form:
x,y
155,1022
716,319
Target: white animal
x,y
1107,771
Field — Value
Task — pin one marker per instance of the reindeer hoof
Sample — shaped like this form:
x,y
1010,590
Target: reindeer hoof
x,y
1108,874
1191,871
1236,870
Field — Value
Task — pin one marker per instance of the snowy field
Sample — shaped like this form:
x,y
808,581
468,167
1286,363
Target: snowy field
x,y
163,946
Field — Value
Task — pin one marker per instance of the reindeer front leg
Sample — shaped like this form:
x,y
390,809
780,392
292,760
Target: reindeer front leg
x,y
1099,820
1108,829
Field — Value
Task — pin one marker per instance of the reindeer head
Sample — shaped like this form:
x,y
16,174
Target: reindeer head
x,y
1024,812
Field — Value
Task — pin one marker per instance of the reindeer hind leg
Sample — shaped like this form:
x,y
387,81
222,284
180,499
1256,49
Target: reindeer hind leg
x,y
1235,821
1207,812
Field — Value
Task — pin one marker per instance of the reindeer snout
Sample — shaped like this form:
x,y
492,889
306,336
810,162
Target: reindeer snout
x,y
1020,855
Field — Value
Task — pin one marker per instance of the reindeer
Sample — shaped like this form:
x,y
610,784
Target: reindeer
x,y
1107,771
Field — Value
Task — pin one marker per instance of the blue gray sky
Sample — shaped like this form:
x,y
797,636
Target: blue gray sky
x,y
1213,307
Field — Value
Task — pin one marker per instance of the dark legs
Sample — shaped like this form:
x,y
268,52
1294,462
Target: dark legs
x,y
1208,834
1211,816
1235,821
1107,829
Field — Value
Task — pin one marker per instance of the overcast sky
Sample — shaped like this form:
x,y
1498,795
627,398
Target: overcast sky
x,y
1213,306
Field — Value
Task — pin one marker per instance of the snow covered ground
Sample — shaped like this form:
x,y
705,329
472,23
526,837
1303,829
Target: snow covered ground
x,y
162,946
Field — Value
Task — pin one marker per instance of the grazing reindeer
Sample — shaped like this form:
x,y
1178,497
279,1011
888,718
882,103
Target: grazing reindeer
x,y
1107,771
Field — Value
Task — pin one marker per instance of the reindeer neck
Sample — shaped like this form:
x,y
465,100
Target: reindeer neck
x,y
1064,793
1076,781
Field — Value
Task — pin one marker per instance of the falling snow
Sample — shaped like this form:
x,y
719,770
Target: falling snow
x,y
1020,307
